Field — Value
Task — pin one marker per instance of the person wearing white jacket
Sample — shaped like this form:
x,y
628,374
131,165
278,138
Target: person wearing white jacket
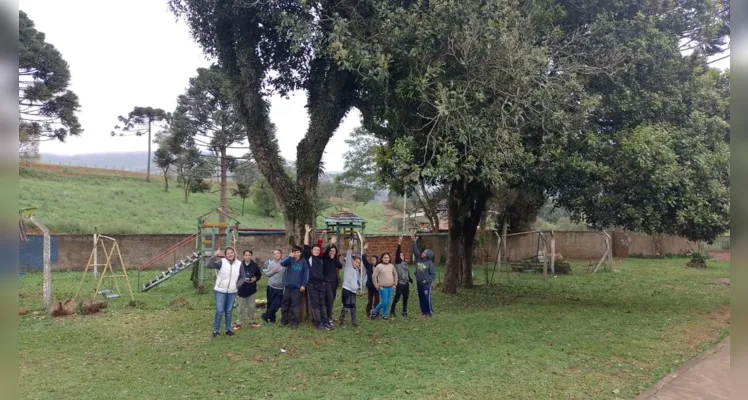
x,y
229,273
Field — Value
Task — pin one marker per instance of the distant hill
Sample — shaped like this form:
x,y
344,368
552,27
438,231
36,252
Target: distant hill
x,y
130,161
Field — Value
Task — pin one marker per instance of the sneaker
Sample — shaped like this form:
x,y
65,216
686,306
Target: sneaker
x,y
405,315
237,328
284,324
384,318
254,325
215,334
321,327
374,316
229,333
295,325
268,323
354,325
328,326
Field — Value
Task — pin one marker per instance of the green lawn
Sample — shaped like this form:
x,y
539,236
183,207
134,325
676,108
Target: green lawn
x,y
583,336
71,201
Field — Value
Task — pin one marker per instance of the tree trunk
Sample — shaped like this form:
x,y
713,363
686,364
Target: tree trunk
x,y
148,165
166,180
243,200
223,199
476,199
456,219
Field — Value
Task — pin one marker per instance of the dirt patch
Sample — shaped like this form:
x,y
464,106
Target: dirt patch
x,y
714,323
179,303
719,255
722,281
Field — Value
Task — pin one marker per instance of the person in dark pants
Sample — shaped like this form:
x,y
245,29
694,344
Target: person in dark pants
x,y
331,267
295,281
275,272
403,280
371,291
316,282
425,275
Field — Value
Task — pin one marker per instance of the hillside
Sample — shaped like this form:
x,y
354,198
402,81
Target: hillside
x,y
74,200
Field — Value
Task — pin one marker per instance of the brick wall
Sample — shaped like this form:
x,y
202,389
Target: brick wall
x,y
73,251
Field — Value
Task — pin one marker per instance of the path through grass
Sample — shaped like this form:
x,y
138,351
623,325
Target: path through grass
x,y
603,336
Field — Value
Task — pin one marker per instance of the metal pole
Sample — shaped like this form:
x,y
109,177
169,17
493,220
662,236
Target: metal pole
x,y
96,253
405,205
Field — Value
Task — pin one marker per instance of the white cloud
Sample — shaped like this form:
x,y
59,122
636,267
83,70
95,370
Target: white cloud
x,y
134,53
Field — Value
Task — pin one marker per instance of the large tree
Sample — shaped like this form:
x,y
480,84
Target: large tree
x,y
205,116
494,96
269,47
141,121
47,108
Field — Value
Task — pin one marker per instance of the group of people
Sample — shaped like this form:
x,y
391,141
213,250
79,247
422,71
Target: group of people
x,y
314,271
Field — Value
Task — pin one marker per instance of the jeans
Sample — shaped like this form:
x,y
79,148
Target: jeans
x,y
385,296
247,309
224,307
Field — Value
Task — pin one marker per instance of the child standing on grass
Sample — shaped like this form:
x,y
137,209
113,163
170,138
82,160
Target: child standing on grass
x,y
371,290
351,285
425,275
247,291
294,284
229,273
403,280
331,267
385,279
316,282
274,271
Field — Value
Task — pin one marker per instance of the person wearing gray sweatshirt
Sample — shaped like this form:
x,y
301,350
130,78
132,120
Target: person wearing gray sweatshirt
x,y
274,271
425,275
403,280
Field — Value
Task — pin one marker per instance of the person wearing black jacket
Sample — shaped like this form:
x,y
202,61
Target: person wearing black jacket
x,y
331,267
316,287
403,280
371,290
247,291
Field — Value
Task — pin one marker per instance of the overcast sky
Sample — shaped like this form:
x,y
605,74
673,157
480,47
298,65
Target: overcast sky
x,y
134,53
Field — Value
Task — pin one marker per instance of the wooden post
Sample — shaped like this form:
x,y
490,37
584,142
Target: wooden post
x,y
545,255
47,272
609,240
553,253
504,252
605,254
96,253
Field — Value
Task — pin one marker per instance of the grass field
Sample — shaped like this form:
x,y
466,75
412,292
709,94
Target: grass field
x,y
74,200
604,336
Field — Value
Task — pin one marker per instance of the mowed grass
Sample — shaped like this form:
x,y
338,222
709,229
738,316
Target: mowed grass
x,y
604,336
74,201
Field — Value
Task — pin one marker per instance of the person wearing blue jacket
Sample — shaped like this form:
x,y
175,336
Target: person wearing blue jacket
x,y
425,275
295,281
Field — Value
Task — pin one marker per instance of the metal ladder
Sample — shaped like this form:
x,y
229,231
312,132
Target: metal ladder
x,y
173,270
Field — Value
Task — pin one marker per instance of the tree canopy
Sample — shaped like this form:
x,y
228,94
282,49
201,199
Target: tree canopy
x,y
47,107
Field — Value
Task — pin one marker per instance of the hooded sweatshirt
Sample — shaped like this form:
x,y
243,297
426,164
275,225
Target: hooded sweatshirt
x,y
425,270
369,272
385,275
403,275
228,274
316,265
297,272
350,275
251,270
275,279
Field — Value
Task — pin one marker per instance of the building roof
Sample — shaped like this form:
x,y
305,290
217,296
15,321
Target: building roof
x,y
344,217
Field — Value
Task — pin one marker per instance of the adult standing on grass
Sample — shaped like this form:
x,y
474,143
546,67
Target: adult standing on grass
x,y
247,291
295,280
229,273
385,279
425,275
275,272
316,285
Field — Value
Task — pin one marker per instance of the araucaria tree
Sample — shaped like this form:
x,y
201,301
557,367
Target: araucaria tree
x,y
46,106
269,47
206,117
141,121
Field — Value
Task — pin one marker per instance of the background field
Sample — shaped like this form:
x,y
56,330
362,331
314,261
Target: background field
x,y
604,336
74,200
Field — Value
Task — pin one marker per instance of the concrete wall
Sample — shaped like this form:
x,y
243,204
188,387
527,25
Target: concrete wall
x,y
72,252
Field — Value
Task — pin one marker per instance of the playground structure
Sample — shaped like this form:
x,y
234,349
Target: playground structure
x,y
206,241
111,252
344,224
28,213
